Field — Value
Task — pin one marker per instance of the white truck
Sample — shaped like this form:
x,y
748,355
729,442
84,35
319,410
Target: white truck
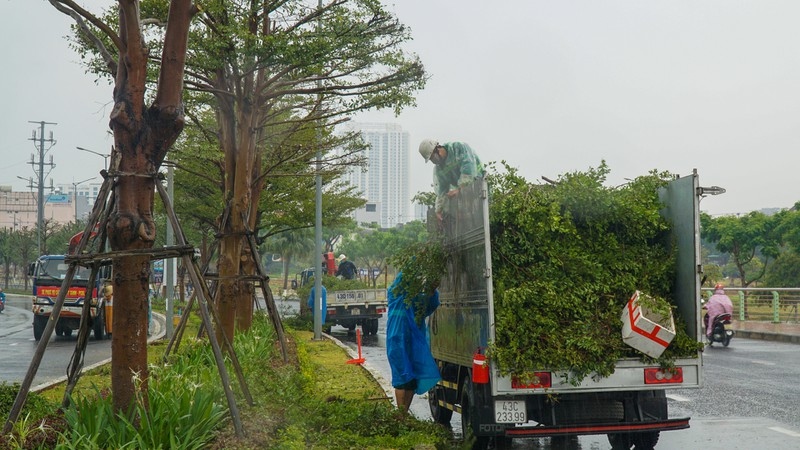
x,y
630,405
356,307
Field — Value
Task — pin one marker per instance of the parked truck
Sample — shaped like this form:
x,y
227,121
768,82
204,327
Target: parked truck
x,y
350,307
47,274
629,405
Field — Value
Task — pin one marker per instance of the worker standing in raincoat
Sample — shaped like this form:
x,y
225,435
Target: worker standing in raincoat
x,y
407,348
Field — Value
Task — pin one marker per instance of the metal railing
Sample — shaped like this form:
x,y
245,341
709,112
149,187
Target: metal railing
x,y
776,305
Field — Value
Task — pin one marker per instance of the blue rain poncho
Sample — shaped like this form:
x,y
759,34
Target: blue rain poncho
x,y
323,298
407,348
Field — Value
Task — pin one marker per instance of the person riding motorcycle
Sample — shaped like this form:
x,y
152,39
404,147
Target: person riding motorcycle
x,y
719,303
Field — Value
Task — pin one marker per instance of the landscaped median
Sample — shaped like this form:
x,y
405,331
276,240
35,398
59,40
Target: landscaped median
x,y
316,401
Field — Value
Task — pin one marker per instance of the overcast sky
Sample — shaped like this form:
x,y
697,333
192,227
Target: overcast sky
x,y
549,86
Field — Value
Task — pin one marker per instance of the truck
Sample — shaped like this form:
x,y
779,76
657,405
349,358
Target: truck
x,y
47,274
629,406
350,307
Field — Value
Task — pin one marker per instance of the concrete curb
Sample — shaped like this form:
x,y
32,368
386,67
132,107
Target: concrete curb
x,y
765,336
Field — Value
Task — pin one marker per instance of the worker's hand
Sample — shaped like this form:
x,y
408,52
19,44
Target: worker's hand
x,y
439,216
453,193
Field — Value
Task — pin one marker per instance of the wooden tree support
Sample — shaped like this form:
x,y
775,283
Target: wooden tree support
x,y
38,355
201,294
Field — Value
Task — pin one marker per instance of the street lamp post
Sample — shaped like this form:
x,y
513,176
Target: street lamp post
x,y
105,157
75,194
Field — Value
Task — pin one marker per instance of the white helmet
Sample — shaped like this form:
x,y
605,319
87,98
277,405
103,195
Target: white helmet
x,y
426,148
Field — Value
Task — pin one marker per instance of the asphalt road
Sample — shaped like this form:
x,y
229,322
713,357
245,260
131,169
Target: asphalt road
x,y
17,347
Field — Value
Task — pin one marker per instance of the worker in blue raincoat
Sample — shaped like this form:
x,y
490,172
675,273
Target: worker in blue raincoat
x,y
407,348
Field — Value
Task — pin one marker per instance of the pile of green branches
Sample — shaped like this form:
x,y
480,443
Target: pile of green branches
x,y
566,257
423,265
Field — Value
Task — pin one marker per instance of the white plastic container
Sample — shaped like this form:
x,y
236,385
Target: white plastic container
x,y
644,330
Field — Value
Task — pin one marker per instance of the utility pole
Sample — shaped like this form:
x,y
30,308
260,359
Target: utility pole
x,y
40,173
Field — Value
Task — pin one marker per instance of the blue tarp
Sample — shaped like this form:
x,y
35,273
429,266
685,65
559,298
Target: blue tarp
x,y
407,347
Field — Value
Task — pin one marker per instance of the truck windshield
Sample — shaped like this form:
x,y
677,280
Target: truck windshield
x,y
57,268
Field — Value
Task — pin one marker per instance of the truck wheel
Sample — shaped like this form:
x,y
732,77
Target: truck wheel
x,y
439,413
39,322
99,325
620,441
468,413
374,324
645,441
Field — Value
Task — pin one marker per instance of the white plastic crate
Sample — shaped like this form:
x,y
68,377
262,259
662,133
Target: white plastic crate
x,y
644,330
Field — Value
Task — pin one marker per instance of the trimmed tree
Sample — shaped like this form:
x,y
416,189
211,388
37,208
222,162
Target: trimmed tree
x,y
143,133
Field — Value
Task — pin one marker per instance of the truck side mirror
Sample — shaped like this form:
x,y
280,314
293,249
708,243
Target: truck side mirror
x,y
31,269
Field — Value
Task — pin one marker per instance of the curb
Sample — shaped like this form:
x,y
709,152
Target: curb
x,y
765,336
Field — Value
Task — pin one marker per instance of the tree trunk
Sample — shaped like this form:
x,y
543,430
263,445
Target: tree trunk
x,y
142,137
286,261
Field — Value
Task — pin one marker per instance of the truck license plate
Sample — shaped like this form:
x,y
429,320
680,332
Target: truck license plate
x,y
355,311
510,411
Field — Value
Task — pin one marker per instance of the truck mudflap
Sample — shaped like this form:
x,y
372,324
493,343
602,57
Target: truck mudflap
x,y
600,428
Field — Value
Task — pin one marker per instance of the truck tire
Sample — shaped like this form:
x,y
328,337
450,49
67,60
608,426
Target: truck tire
x,y
620,441
439,413
468,413
39,322
645,441
99,324
370,327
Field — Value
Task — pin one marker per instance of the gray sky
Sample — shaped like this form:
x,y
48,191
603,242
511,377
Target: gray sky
x,y
549,86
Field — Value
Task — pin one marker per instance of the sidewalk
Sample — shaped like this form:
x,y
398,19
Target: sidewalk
x,y
781,332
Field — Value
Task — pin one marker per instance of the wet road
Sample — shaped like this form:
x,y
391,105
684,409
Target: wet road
x,y
17,347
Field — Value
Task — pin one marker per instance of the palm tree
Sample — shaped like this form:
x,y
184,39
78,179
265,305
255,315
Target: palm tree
x,y
290,244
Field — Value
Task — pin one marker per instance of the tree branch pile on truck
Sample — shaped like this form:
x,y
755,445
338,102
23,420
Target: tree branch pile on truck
x,y
535,282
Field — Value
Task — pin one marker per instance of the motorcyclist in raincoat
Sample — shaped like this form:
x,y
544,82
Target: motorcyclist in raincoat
x,y
719,303
413,367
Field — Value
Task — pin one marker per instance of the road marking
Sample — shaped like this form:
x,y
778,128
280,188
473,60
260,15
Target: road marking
x,y
678,398
763,363
785,431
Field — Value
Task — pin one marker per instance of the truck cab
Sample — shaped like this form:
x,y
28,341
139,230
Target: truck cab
x,y
48,274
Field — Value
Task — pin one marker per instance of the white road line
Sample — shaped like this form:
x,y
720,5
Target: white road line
x,y
678,398
785,431
763,363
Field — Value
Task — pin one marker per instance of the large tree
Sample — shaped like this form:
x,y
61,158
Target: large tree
x,y
276,77
750,240
145,124
279,76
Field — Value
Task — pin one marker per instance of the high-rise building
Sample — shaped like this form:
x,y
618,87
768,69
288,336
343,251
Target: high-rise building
x,y
385,183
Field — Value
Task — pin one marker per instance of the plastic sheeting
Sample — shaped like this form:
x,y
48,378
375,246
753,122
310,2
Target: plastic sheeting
x,y
407,347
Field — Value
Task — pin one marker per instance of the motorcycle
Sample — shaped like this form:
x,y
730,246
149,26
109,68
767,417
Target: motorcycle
x,y
722,330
